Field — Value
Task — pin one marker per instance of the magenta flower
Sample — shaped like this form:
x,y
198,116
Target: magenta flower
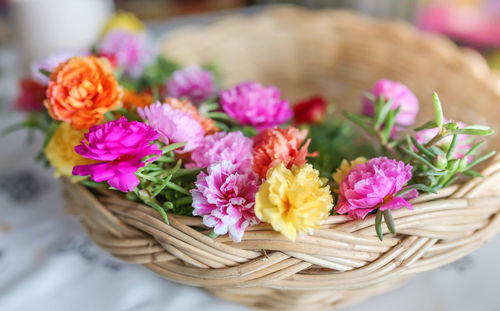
x,y
221,146
400,96
192,82
250,103
128,50
373,185
226,199
49,64
120,146
463,141
173,125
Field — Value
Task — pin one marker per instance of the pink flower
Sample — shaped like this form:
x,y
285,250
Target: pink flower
x,y
49,64
173,125
250,103
221,146
121,146
126,49
373,185
226,199
192,82
463,141
400,96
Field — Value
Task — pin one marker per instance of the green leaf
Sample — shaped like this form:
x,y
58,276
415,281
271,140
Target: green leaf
x,y
429,125
389,124
439,111
472,173
109,116
212,235
383,111
389,221
378,225
45,72
474,148
50,132
479,160
361,121
422,148
473,131
172,147
453,144
421,159
420,187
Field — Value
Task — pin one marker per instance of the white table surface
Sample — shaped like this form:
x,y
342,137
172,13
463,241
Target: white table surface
x,y
48,264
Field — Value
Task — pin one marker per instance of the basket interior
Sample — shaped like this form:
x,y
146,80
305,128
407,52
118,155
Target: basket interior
x,y
340,55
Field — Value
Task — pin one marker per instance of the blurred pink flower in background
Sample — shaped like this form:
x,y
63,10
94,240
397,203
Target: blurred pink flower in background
x,y
129,50
400,95
477,26
192,82
49,64
174,126
250,103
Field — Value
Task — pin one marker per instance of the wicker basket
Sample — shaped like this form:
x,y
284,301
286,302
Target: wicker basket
x,y
337,54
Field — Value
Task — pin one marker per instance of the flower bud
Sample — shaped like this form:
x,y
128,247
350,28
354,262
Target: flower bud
x,y
453,164
310,111
440,161
463,163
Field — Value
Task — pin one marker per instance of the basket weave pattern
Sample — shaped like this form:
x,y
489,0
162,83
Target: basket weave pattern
x,y
339,55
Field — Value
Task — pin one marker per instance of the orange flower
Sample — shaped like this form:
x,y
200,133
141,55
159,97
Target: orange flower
x,y
275,146
185,105
133,99
81,90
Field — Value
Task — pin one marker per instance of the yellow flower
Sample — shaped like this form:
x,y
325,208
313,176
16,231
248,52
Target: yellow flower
x,y
124,21
346,167
293,200
60,150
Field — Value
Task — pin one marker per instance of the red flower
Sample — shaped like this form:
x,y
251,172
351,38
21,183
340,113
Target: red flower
x,y
31,96
310,111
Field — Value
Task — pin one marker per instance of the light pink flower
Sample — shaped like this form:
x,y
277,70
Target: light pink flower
x,y
221,146
173,125
49,64
192,82
463,141
121,146
226,199
400,96
373,185
128,50
250,103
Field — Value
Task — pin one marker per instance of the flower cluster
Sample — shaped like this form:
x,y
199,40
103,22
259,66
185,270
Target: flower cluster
x,y
121,116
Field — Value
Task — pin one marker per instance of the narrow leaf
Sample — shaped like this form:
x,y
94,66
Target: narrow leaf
x,y
429,125
378,225
439,111
389,221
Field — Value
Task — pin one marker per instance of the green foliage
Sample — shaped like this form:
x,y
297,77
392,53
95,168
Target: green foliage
x,y
336,140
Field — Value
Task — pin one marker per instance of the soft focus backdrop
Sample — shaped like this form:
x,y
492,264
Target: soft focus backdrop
x,y
48,263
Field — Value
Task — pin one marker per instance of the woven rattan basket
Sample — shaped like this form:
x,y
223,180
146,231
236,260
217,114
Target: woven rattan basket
x,y
337,54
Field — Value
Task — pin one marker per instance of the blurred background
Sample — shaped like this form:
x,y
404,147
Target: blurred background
x,y
59,268
33,29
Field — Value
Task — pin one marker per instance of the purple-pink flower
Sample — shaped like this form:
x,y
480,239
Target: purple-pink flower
x,y
221,146
463,141
49,64
128,50
250,103
373,185
173,125
400,95
120,146
192,82
226,199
